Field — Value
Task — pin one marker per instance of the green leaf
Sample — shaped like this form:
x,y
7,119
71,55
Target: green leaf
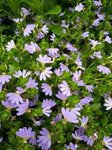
x,y
56,29
55,10
95,107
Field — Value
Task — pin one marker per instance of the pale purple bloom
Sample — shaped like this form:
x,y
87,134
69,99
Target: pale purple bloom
x,y
108,103
1,139
33,141
1,86
32,48
52,51
63,67
64,31
64,25
46,73
46,105
61,96
44,59
4,78
105,95
85,34
55,55
97,54
79,7
20,73
20,90
64,88
33,101
86,100
58,72
71,9
101,17
76,110
22,108
25,133
107,141
89,88
10,45
79,62
45,29
103,69
14,98
71,146
47,89
96,23
25,11
18,19
81,83
37,73
40,35
78,134
39,122
94,43
52,37
84,121
31,83
58,117
8,104
29,29
70,47
44,140
89,140
108,39
106,32
97,3
76,75
69,116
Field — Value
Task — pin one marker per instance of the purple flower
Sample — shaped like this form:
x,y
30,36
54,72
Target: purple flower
x,y
71,9
85,34
97,3
4,78
44,59
10,45
71,146
64,88
89,140
78,134
40,35
76,75
89,88
101,17
52,51
81,83
44,140
25,133
22,108
58,117
86,100
103,69
20,90
20,73
18,20
97,54
58,72
32,48
79,7
69,116
31,83
52,37
108,103
84,121
33,141
64,25
33,101
106,32
1,139
108,39
105,95
47,89
46,105
76,110
107,142
15,98
63,67
45,29
29,29
79,62
8,104
96,23
1,85
61,96
25,11
46,73
70,47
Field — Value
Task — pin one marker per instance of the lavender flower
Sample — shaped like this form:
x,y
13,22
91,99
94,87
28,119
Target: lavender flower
x,y
97,3
108,39
71,146
22,108
89,88
52,51
31,83
52,37
1,85
86,100
89,140
25,11
70,47
81,83
29,29
58,117
44,59
105,95
20,73
108,103
97,54
10,45
79,7
8,104
1,139
44,140
79,62
4,78
33,101
85,34
45,29
94,43
58,72
46,73
14,98
63,67
101,17
103,69
61,96
25,133
78,134
47,89
33,141
64,88
84,121
96,23
32,48
41,35
20,90
76,75
69,116
107,142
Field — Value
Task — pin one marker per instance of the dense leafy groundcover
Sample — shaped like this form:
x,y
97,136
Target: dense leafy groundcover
x,y
55,76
